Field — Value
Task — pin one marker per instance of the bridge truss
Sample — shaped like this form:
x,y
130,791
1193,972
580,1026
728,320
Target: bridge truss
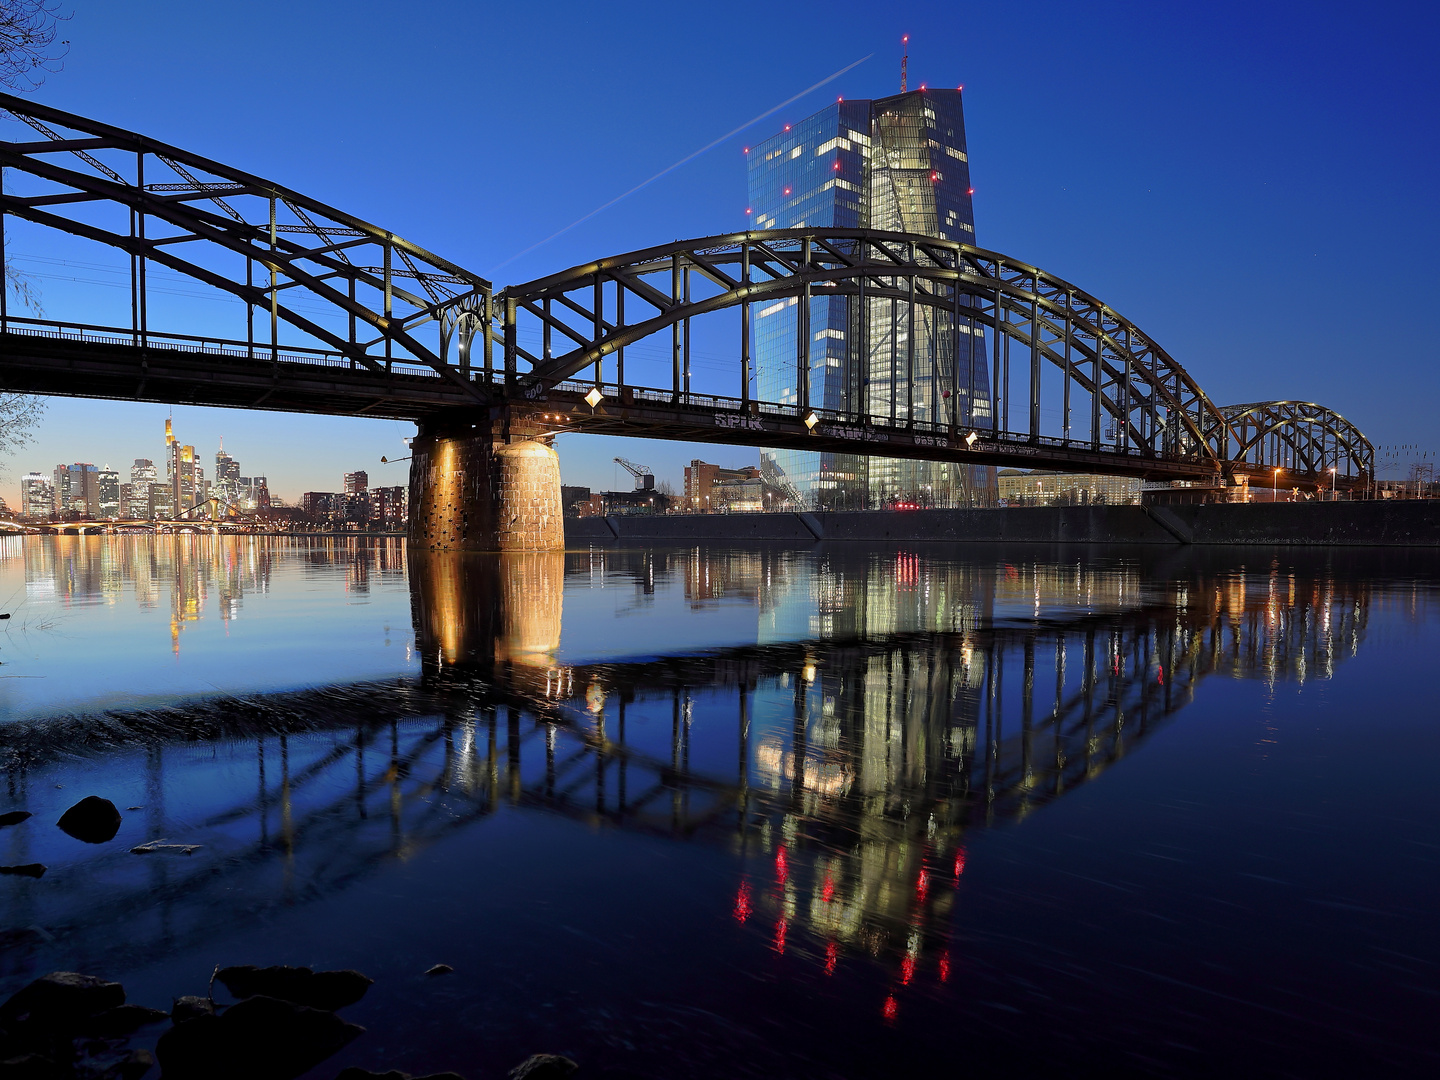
x,y
991,360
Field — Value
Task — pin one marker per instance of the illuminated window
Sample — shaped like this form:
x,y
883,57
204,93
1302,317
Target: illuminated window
x,y
796,152
779,305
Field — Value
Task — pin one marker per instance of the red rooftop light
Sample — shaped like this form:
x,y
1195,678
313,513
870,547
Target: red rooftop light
x,y
970,192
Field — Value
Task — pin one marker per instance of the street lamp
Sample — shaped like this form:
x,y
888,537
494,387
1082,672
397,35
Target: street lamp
x,y
1275,486
1332,483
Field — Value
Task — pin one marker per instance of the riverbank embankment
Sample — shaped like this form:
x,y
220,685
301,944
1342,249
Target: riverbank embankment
x,y
1414,523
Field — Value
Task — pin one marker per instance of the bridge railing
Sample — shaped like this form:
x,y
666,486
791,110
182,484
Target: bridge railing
x,y
207,345
722,404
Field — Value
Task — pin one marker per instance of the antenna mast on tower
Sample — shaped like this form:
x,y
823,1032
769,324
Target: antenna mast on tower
x,y
904,61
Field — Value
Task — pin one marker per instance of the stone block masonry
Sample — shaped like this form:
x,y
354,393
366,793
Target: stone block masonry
x,y
479,489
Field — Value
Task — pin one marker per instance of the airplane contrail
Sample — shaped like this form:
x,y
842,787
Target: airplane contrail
x,y
682,161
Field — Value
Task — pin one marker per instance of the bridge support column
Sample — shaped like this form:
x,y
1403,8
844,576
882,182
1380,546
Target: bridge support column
x,y
479,488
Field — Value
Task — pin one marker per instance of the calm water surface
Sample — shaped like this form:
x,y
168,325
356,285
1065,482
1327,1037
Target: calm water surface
x,y
845,811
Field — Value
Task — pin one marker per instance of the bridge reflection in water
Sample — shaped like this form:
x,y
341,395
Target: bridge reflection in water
x,y
845,763
849,768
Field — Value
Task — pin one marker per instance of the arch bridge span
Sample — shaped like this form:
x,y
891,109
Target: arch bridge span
x,y
951,353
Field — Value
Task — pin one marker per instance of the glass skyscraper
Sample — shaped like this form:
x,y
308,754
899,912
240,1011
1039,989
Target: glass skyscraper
x,y
897,164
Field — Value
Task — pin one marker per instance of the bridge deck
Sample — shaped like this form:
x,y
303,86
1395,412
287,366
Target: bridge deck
x,y
70,360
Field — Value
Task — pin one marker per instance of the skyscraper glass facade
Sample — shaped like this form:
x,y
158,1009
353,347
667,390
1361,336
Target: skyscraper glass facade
x,y
897,164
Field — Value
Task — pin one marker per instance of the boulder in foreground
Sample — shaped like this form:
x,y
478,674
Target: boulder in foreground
x,y
93,820
260,1038
60,1001
328,990
543,1067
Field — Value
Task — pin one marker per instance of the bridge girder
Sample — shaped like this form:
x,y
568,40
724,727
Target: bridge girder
x,y
385,314
140,196
1152,403
1317,440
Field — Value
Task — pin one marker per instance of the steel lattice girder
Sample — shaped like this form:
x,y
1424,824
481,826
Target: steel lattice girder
x,y
1136,376
318,250
1313,433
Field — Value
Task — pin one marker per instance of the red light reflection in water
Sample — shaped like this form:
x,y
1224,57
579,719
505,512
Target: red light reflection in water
x,y
945,967
782,867
827,891
907,569
780,928
890,1008
742,903
832,955
922,885
907,970
1161,677
959,862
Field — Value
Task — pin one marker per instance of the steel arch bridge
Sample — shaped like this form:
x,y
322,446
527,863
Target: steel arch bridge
x,y
344,317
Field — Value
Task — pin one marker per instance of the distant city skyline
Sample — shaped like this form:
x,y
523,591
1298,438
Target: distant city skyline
x,y
119,432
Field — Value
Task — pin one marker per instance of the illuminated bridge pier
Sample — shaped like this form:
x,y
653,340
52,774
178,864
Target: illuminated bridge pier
x,y
374,325
484,487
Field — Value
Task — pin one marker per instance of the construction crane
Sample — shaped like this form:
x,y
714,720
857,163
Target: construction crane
x,y
644,478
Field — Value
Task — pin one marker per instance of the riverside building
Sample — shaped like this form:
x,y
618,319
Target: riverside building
x,y
897,164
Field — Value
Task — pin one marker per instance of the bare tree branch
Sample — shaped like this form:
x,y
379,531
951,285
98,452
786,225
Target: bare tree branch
x,y
20,414
29,49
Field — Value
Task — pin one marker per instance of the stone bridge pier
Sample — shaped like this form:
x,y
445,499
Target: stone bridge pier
x,y
491,484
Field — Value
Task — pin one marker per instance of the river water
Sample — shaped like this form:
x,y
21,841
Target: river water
x,y
718,811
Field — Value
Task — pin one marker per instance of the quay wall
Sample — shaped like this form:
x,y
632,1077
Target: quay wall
x,y
1343,524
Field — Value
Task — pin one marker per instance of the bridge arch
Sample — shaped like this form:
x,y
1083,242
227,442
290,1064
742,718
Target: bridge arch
x,y
1297,436
1137,398
370,299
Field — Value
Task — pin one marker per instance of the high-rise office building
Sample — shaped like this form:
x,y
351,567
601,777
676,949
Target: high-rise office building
x,y
227,477
60,489
141,501
77,490
254,494
898,164
37,495
179,471
107,482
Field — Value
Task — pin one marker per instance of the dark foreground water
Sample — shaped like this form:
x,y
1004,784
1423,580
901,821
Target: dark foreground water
x,y
847,811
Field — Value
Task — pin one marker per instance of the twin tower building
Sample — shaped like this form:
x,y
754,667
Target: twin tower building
x,y
896,164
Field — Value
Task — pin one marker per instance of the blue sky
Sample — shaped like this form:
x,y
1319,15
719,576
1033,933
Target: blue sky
x,y
1253,184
